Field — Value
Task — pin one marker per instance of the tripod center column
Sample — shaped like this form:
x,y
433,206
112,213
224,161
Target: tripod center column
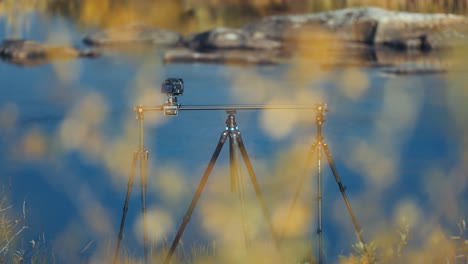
x,y
231,121
139,110
319,120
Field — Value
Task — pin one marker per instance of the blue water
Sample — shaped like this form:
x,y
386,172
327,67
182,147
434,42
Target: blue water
x,y
60,185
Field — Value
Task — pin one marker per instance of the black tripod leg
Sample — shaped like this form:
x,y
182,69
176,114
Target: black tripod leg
x,y
233,162
202,184
343,192
319,201
253,178
125,208
298,189
143,183
236,179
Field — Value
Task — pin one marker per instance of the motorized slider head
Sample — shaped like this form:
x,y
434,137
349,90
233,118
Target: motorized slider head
x,y
172,87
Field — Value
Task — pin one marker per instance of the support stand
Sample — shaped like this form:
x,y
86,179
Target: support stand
x,y
235,144
140,156
316,148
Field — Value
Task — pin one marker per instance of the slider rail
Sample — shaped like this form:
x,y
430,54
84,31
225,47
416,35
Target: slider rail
x,y
141,108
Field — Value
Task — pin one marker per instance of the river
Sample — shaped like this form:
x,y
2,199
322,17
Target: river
x,y
68,133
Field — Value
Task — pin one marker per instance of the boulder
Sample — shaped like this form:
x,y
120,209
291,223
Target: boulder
x,y
27,52
391,61
218,38
350,24
403,30
370,25
136,33
227,38
416,68
384,56
221,56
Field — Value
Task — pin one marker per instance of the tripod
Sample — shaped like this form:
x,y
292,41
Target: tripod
x,y
235,144
140,156
172,108
316,148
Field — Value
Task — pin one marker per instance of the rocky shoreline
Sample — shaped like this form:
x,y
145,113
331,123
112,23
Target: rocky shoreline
x,y
371,26
29,53
364,33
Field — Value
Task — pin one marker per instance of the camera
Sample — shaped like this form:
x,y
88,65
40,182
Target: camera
x,y
173,86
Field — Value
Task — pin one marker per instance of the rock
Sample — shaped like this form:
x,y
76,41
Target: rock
x,y
415,69
221,56
227,46
370,25
27,52
218,38
351,24
404,30
227,38
384,56
134,34
357,55
337,32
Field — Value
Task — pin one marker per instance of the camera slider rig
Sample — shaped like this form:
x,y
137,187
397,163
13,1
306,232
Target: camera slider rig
x,y
174,87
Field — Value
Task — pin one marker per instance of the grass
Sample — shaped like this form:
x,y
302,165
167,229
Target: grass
x,y
440,248
198,253
13,248
397,243
393,248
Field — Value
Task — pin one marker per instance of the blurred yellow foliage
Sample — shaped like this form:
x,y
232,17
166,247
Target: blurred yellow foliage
x,y
377,158
34,144
112,13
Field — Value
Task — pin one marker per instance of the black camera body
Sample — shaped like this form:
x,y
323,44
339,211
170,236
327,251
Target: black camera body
x,y
173,86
